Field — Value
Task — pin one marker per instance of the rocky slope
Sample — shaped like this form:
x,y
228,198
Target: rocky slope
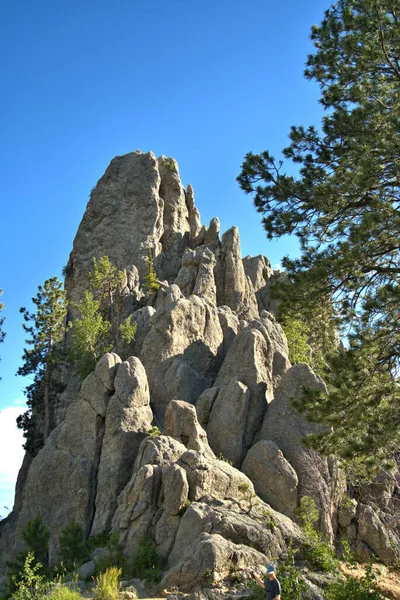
x,y
210,367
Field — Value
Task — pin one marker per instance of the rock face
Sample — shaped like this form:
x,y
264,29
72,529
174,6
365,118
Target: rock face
x,y
216,492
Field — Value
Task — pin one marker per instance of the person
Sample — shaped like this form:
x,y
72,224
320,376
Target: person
x,y
271,585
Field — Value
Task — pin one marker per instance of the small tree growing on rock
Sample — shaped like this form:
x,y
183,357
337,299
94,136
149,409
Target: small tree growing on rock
x,y
150,281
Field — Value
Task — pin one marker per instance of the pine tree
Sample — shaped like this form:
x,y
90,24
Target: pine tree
x,y
46,331
150,281
98,328
344,206
105,283
91,335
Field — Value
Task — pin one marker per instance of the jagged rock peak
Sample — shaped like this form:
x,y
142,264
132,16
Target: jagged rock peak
x,y
138,204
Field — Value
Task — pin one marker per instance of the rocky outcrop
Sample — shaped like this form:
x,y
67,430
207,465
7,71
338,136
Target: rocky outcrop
x,y
317,476
274,478
217,491
127,421
234,288
181,353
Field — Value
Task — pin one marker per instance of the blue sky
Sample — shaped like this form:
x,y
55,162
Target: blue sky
x,y
86,80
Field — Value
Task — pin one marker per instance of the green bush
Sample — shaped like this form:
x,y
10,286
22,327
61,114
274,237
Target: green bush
x,y
364,588
36,537
115,557
62,592
154,431
307,513
291,579
318,552
30,583
107,584
147,564
72,545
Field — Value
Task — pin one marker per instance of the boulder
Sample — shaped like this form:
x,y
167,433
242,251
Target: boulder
x,y
194,215
373,533
258,269
249,361
210,560
176,235
227,421
175,489
185,337
274,479
181,424
128,419
234,288
318,476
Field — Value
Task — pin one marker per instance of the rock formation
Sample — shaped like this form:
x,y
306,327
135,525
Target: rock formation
x,y
209,366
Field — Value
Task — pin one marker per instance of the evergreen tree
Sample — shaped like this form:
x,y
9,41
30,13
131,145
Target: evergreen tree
x,y
46,330
344,206
91,336
105,282
99,328
150,281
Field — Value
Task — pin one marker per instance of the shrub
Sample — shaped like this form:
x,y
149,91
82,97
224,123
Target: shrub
x,y
107,584
72,545
62,592
115,556
364,588
147,563
318,552
291,579
30,583
36,537
154,431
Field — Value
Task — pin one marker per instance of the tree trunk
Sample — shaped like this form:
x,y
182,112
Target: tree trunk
x,y
46,425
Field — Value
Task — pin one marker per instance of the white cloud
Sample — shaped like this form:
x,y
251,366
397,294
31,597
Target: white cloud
x,y
278,267
11,451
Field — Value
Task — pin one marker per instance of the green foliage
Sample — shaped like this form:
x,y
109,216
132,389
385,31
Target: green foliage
x,y
297,333
318,552
30,583
46,331
154,431
365,588
170,164
127,330
293,585
98,328
62,592
90,334
147,563
185,506
307,513
150,283
115,557
36,536
107,584
222,457
258,593
98,540
343,203
72,545
269,520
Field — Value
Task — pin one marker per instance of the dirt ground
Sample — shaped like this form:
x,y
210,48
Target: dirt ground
x,y
388,579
